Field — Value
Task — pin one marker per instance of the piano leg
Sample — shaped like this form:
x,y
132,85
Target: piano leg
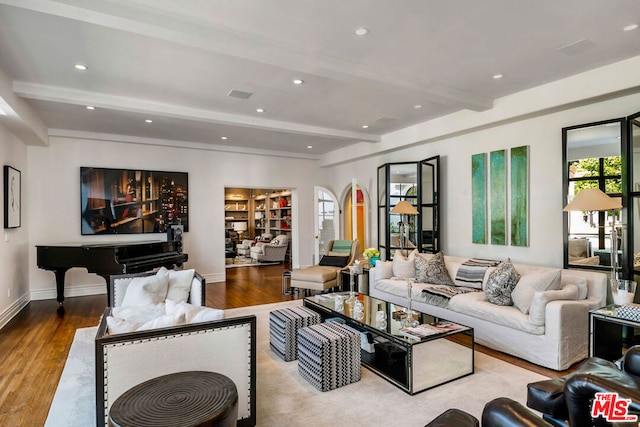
x,y
60,284
107,278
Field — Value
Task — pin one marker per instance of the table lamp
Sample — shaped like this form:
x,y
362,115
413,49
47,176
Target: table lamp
x,y
593,199
240,227
403,208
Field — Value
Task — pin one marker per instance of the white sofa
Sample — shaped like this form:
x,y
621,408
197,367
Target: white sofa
x,y
226,346
553,334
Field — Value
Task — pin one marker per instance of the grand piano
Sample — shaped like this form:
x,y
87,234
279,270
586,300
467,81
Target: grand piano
x,y
107,259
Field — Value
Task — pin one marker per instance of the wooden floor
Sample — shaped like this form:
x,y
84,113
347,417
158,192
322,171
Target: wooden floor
x,y
35,344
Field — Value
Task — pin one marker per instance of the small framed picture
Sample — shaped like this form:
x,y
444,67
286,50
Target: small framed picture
x,y
12,197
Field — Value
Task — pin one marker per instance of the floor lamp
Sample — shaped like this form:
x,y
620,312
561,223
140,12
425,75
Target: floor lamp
x,y
593,199
404,209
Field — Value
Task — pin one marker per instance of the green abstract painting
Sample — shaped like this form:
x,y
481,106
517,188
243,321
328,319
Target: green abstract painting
x,y
479,198
520,196
498,185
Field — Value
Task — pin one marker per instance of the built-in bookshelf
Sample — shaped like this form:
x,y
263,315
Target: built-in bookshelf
x,y
263,211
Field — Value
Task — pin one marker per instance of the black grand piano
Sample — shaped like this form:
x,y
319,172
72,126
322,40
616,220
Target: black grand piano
x,y
106,259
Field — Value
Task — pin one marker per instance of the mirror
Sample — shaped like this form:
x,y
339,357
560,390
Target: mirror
x,y
592,159
418,184
633,123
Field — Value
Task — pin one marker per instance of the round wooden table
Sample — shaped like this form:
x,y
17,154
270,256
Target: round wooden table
x,y
193,398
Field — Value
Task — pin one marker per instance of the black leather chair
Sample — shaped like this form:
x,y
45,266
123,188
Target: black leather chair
x,y
566,401
500,412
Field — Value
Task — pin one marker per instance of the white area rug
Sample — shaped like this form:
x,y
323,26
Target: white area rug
x,y
285,398
247,262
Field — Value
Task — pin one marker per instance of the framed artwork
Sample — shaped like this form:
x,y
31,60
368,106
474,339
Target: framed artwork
x,y
12,197
131,201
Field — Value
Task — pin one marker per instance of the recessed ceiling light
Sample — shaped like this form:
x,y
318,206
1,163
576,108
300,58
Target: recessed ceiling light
x,y
260,110
149,121
631,27
81,67
417,106
365,126
309,147
90,107
223,137
498,76
361,31
298,81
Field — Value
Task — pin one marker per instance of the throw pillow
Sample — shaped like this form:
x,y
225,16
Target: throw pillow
x,y
275,242
501,283
541,298
433,271
383,270
193,313
147,290
180,284
334,261
543,280
404,267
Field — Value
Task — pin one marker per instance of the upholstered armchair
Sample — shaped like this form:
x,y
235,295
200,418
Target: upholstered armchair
x,y
244,248
274,251
326,274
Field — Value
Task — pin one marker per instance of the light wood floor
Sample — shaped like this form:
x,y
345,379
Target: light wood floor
x,y
35,344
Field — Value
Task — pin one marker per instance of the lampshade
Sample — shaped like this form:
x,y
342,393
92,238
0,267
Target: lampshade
x,y
258,215
593,199
405,208
240,226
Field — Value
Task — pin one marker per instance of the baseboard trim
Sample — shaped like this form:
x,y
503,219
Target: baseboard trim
x,y
75,291
13,310
215,277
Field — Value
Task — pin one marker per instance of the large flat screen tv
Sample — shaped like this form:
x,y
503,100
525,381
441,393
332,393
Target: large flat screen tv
x,y
122,201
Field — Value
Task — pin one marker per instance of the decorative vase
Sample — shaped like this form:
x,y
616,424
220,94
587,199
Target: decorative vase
x,y
373,260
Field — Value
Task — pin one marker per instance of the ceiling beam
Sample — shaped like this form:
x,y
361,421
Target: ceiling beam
x,y
135,105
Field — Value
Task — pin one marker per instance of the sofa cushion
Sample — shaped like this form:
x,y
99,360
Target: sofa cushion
x,y
147,290
475,304
334,261
138,314
540,299
433,271
317,273
115,325
545,279
404,267
193,313
165,321
501,283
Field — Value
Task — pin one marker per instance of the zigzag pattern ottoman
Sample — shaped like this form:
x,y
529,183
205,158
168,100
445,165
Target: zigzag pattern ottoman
x,y
283,329
329,355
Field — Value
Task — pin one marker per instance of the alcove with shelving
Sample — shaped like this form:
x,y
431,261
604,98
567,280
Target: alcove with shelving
x,y
251,212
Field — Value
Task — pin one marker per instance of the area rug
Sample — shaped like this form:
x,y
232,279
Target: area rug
x,y
284,397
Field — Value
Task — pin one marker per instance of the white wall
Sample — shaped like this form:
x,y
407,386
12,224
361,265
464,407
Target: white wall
x,y
14,260
543,135
54,212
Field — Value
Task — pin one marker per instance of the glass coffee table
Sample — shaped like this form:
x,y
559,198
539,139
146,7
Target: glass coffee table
x,y
412,364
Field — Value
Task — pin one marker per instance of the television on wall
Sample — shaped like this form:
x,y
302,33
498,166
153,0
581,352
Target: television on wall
x,y
123,201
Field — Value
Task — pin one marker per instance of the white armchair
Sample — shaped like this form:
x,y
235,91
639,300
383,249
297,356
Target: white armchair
x,y
244,248
274,251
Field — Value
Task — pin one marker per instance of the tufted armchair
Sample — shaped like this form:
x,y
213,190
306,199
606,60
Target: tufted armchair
x,y
274,251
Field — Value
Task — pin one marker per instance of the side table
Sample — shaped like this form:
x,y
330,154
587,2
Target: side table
x,y
362,279
611,335
191,398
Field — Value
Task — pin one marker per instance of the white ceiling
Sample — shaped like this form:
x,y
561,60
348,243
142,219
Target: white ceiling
x,y
174,62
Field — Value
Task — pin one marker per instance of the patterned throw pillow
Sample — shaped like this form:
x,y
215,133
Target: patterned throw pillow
x,y
433,270
501,283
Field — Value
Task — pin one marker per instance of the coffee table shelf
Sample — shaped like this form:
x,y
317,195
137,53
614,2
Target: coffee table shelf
x,y
411,365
